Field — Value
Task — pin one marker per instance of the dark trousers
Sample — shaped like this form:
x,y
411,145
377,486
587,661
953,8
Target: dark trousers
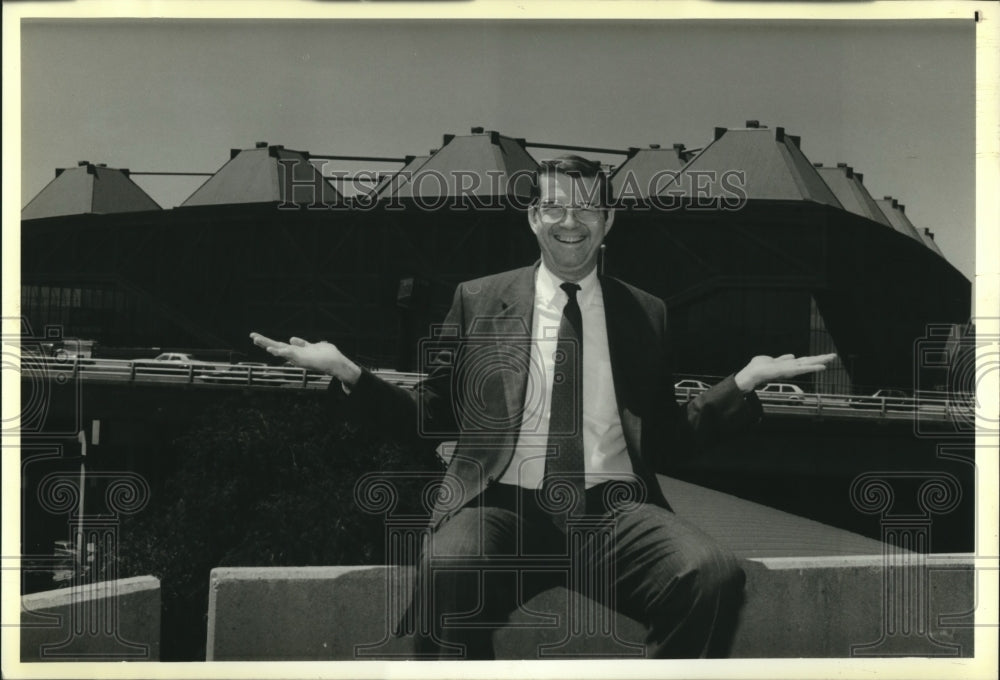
x,y
636,558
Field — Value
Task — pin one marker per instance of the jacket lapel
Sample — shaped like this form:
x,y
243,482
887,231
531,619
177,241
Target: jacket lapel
x,y
626,357
512,329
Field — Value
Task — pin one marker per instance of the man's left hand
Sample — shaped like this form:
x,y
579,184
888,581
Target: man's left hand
x,y
764,369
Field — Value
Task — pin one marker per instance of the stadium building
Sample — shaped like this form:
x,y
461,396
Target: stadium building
x,y
754,248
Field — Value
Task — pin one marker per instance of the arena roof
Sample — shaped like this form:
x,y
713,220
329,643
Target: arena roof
x,y
647,170
393,182
258,175
479,164
847,186
893,210
928,238
896,212
768,163
88,188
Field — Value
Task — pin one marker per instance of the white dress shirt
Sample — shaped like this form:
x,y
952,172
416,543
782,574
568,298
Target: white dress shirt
x,y
604,449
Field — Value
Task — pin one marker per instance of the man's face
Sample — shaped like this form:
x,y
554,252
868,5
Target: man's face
x,y
570,239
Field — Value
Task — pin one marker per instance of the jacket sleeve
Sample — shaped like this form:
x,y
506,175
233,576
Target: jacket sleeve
x,y
423,415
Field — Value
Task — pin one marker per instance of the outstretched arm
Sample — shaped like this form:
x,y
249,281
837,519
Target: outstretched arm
x,y
764,369
422,413
731,405
318,356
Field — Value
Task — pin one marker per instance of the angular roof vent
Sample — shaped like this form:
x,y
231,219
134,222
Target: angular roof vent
x,y
753,123
493,157
476,130
773,165
88,189
266,174
846,186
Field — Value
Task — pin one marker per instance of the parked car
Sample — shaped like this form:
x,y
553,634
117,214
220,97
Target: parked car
x,y
689,388
174,363
237,373
781,392
892,398
176,358
287,374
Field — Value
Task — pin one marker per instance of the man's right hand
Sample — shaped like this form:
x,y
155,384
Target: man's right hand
x,y
317,356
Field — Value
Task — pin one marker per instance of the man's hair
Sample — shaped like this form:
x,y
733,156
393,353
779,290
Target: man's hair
x,y
573,166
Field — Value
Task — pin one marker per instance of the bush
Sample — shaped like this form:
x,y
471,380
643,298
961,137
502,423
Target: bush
x,y
262,479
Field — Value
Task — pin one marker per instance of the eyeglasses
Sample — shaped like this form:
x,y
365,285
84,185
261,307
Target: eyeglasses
x,y
554,213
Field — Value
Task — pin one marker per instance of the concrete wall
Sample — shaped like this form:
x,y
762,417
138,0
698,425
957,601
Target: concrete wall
x,y
105,621
856,606
795,607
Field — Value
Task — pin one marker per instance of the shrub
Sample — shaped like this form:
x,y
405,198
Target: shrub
x,y
261,479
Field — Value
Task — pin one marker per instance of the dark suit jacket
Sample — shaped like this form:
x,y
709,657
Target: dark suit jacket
x,y
479,364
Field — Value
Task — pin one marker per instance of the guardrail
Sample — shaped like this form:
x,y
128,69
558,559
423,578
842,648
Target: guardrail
x,y
194,372
205,373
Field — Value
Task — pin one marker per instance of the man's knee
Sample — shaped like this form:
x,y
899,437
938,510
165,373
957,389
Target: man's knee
x,y
473,532
724,572
704,574
714,572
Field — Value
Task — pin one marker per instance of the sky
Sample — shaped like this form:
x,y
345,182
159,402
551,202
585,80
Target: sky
x,y
893,99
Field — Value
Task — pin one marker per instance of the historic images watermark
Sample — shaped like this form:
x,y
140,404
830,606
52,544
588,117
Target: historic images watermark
x,y
480,370
431,189
952,364
45,376
417,564
956,363
48,429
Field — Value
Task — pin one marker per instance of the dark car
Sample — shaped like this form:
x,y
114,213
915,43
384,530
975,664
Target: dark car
x,y
898,400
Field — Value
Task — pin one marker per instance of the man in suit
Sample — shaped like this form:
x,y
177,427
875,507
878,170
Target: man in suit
x,y
556,383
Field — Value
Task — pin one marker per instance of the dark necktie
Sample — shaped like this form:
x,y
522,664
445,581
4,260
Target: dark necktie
x,y
563,484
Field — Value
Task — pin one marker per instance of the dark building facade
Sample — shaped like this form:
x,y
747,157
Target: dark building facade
x,y
754,249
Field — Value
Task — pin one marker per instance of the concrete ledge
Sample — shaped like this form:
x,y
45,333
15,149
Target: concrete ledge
x,y
857,606
104,621
795,607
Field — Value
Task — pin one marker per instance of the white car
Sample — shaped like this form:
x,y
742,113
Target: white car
x,y
178,357
174,363
781,392
689,388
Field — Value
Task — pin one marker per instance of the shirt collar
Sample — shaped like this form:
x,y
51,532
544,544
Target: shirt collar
x,y
549,292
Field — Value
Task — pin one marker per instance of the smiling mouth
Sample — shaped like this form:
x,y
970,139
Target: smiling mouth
x,y
569,239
